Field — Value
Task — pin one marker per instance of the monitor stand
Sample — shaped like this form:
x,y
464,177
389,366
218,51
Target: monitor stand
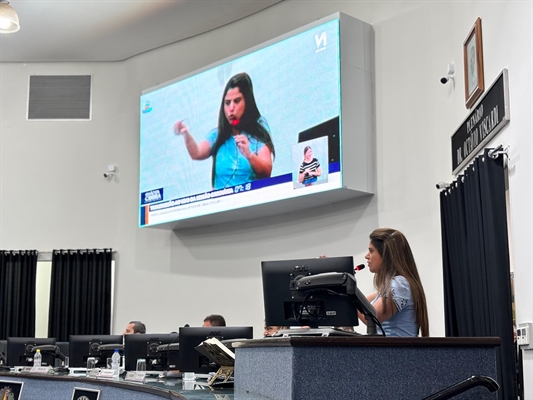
x,y
313,332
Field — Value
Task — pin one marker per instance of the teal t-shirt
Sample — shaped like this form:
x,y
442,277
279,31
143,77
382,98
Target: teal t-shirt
x,y
232,168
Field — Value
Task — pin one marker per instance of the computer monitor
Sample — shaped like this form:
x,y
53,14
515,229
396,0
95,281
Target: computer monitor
x,y
326,306
160,350
82,347
20,351
3,358
191,360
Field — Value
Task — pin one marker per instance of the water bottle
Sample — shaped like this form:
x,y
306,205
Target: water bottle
x,y
37,358
115,360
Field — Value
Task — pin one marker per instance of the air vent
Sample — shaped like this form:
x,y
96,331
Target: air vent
x,y
59,97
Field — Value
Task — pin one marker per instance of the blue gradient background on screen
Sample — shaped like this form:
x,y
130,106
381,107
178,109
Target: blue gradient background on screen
x,y
296,86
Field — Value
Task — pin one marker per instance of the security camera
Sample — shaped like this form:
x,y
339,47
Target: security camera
x,y
442,185
111,168
449,74
445,79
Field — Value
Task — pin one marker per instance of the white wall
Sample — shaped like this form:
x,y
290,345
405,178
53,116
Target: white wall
x,y
53,194
42,298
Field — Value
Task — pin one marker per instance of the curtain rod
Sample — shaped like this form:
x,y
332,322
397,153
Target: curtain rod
x,y
493,153
498,150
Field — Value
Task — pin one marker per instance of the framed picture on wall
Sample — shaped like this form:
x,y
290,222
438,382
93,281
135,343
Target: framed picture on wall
x,y
473,63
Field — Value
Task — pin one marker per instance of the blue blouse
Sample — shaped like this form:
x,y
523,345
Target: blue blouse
x,y
232,168
403,323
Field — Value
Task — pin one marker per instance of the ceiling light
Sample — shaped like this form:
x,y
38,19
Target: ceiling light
x,y
9,20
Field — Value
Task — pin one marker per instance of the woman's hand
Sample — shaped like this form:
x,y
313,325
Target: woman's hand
x,y
261,163
383,311
180,128
197,151
243,145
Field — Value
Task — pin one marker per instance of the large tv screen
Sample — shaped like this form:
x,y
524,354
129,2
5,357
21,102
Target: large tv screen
x,y
261,127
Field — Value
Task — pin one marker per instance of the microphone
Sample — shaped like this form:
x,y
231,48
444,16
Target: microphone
x,y
359,268
186,325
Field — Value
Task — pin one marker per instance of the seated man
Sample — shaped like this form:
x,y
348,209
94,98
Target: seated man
x,y
345,328
271,330
214,320
134,327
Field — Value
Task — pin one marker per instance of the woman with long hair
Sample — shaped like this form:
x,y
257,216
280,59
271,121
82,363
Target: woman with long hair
x,y
399,301
241,145
310,168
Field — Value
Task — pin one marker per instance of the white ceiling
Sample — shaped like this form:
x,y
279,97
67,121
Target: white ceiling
x,y
112,30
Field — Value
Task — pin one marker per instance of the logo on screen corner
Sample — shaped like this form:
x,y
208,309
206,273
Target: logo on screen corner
x,y
147,107
152,196
321,42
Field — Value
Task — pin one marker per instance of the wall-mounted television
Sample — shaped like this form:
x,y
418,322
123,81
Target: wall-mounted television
x,y
283,126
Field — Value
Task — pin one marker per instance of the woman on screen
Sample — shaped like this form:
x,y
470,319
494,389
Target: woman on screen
x,y
241,146
399,301
310,168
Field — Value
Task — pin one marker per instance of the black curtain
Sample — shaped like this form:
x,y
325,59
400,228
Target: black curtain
x,y
475,251
80,293
18,273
